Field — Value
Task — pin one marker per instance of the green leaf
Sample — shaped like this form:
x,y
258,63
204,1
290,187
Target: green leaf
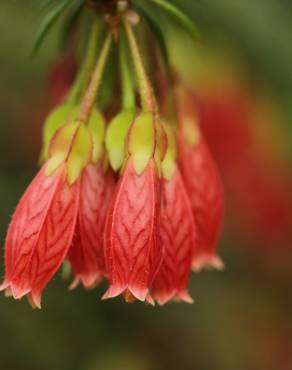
x,y
156,29
116,136
179,16
48,22
70,22
44,4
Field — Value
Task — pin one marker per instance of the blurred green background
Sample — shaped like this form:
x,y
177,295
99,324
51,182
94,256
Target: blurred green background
x,y
241,319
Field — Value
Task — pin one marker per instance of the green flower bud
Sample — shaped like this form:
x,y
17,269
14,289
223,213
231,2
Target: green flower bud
x,y
141,143
115,139
59,116
96,127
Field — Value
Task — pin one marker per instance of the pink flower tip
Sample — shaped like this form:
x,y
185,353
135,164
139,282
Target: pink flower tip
x,y
163,298
34,300
88,281
130,294
13,290
18,292
207,261
184,297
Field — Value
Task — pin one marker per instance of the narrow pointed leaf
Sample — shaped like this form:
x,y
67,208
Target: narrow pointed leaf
x,y
71,21
156,29
179,16
47,23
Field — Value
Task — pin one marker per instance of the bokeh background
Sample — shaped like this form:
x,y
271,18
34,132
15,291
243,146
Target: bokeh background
x,y
241,76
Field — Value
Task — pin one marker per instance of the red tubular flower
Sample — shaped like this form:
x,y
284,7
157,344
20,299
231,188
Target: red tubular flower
x,y
203,184
131,244
42,227
178,236
40,234
132,250
205,192
255,181
86,254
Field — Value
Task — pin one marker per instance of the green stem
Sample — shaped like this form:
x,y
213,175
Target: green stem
x,y
86,67
146,93
89,98
128,94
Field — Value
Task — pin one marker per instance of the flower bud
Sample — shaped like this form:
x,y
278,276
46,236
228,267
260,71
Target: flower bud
x,y
142,141
116,135
58,117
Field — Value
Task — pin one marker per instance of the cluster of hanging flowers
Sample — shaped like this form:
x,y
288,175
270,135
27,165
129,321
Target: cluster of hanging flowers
x,y
129,194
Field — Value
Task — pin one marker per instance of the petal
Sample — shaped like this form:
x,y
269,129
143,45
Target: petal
x,y
132,251
86,254
178,234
